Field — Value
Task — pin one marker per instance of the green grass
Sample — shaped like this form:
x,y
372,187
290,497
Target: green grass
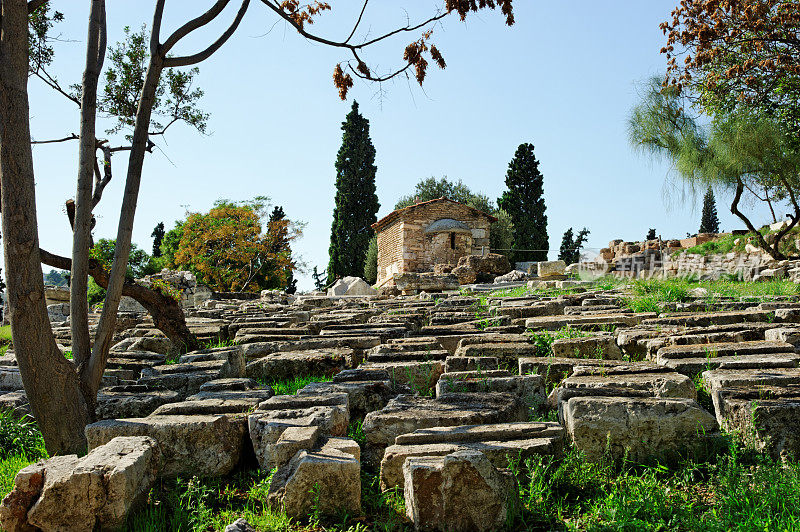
x,y
645,295
725,244
21,444
5,339
291,386
734,489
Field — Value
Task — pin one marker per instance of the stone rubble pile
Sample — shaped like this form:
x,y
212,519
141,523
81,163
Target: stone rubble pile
x,y
446,389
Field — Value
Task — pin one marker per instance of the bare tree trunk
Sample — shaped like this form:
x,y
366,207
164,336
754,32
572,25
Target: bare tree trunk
x,y
772,250
92,373
769,203
81,227
50,381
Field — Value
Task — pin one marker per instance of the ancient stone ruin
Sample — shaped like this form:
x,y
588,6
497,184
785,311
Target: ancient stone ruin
x,y
448,387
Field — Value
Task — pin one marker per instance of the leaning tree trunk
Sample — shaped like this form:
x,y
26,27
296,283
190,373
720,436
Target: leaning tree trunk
x,y
167,314
50,381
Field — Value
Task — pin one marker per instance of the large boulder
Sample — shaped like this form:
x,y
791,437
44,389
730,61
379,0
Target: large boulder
x,y
351,286
462,491
465,274
492,263
551,269
94,492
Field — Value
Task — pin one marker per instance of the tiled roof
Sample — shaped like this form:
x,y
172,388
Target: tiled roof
x,y
399,213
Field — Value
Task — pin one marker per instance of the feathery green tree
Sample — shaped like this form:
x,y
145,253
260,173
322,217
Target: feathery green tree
x,y
739,151
709,223
356,201
524,202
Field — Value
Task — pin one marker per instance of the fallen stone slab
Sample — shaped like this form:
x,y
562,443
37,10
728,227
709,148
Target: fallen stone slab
x,y
555,369
96,492
498,442
637,428
704,319
457,363
10,379
367,390
595,346
593,322
724,378
764,416
420,375
631,380
407,413
327,481
327,413
528,388
190,445
209,406
503,352
722,349
132,400
285,365
694,366
459,492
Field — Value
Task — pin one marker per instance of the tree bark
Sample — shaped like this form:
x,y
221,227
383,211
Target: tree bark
x,y
50,381
81,227
92,373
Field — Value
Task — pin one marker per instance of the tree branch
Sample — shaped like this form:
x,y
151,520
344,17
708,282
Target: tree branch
x,y
344,44
33,5
65,139
100,184
193,24
155,34
360,16
205,54
774,253
165,311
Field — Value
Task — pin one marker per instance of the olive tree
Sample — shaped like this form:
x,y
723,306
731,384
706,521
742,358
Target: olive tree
x,y
62,394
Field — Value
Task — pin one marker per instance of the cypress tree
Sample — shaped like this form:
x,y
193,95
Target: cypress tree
x,y
567,243
709,223
158,237
524,202
357,204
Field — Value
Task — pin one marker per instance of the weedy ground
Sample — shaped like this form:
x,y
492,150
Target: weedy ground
x,y
732,488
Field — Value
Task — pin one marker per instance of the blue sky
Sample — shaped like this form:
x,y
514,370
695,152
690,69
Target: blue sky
x,y
563,78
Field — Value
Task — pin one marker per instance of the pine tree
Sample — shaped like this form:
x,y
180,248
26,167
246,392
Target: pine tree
x,y
571,245
580,240
320,279
524,202
158,237
567,243
709,223
356,201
